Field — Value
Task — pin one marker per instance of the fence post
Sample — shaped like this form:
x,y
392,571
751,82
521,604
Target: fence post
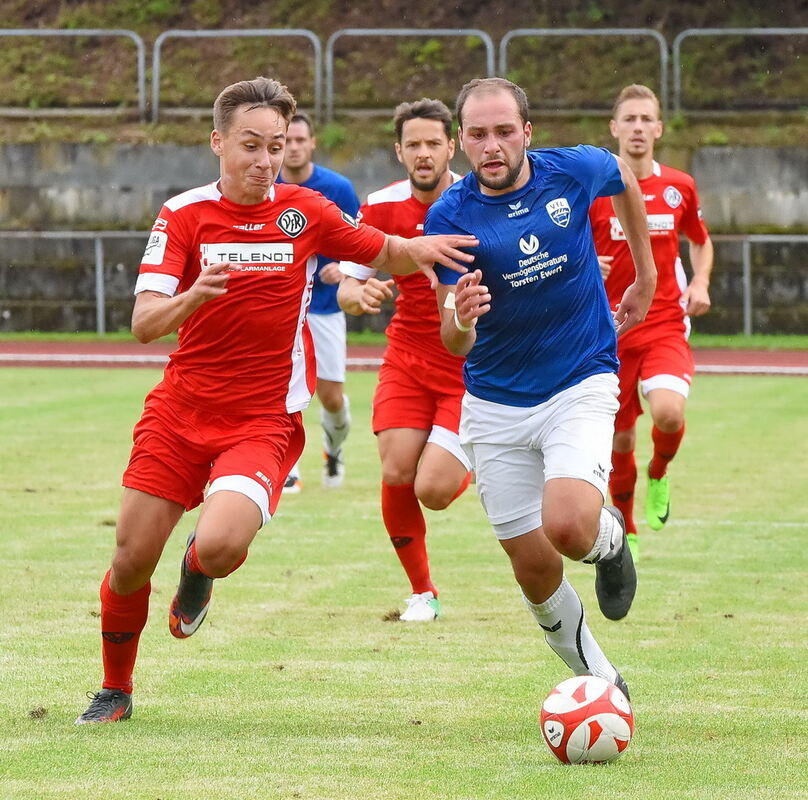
x,y
100,289
746,250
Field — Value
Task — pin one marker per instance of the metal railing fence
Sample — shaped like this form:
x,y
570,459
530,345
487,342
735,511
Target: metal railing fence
x,y
693,32
747,241
77,32
670,65
231,33
641,32
426,32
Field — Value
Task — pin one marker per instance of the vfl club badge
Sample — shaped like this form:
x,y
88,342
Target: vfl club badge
x,y
559,211
292,222
672,196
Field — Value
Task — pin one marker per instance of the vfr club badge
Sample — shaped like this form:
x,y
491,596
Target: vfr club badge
x,y
292,222
559,211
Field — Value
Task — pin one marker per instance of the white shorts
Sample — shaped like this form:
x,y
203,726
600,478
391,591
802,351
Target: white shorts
x,y
328,332
516,450
450,442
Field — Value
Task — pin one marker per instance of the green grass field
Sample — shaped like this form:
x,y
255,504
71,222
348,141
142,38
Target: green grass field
x,y
296,687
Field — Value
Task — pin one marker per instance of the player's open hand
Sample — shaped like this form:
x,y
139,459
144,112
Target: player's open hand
x,y
634,306
472,298
374,293
426,251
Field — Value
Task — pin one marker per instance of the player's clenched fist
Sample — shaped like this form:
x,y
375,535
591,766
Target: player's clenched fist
x,y
374,293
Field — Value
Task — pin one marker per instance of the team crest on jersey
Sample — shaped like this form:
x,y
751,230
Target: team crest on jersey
x,y
530,245
350,220
559,211
292,222
672,196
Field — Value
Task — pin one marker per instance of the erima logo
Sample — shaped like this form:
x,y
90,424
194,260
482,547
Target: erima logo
x,y
260,475
350,220
672,196
419,226
529,246
517,210
292,222
649,197
160,224
250,226
553,629
559,211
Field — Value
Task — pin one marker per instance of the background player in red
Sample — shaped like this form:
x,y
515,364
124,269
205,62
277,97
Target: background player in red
x,y
416,407
326,319
231,265
655,354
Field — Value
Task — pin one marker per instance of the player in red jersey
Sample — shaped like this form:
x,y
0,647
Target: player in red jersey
x,y
231,266
416,406
655,354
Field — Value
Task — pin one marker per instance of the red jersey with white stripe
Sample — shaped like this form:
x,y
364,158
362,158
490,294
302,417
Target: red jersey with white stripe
x,y
250,350
672,206
415,325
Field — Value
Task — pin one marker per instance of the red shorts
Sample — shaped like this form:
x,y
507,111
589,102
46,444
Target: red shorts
x,y
413,393
179,449
665,362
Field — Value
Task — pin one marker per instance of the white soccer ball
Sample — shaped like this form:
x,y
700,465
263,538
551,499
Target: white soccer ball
x,y
586,720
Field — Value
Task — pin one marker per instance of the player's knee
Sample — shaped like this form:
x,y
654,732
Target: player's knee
x,y
669,420
435,498
221,559
570,533
397,475
132,567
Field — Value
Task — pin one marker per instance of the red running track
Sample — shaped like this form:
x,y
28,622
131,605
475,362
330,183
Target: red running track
x,y
133,354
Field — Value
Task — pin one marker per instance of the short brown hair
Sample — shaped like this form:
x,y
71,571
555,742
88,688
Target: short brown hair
x,y
492,85
302,116
255,93
425,108
635,91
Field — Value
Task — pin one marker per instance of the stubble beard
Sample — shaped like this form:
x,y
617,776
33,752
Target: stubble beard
x,y
509,179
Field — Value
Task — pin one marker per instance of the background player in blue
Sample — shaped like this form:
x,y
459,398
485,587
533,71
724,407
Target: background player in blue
x,y
326,318
535,326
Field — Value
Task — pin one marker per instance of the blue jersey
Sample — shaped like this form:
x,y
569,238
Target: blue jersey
x,y
338,189
549,326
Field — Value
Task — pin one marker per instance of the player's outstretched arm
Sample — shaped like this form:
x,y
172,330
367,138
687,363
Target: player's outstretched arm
x,y
630,209
157,314
357,297
400,256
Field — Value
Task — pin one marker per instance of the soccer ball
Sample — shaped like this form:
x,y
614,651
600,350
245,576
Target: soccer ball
x,y
586,720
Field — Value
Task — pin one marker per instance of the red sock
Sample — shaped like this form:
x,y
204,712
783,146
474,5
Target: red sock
x,y
123,617
464,484
621,486
665,447
406,527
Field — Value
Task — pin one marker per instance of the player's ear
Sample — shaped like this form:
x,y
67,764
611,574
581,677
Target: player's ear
x,y
613,128
216,142
460,138
528,133
398,152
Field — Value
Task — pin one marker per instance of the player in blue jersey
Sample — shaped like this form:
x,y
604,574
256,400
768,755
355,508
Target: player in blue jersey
x,y
534,324
326,318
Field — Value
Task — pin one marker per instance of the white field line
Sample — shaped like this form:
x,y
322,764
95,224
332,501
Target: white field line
x,y
113,358
728,523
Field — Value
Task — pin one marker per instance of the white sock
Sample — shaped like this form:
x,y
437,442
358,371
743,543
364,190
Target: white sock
x,y
608,541
336,426
562,619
